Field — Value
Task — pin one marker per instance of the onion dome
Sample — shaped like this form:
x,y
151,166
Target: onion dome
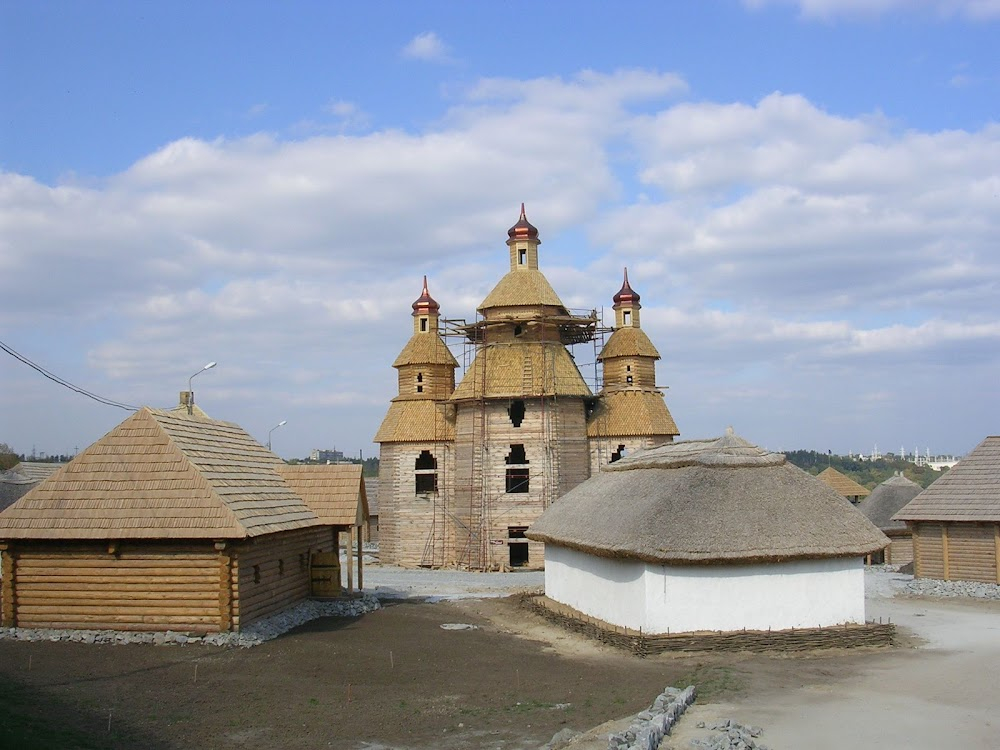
x,y
523,230
425,304
626,295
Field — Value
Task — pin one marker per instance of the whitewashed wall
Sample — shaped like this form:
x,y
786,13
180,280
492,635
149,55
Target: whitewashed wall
x,y
658,598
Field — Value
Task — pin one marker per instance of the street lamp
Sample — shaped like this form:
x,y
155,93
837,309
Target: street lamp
x,y
209,366
283,421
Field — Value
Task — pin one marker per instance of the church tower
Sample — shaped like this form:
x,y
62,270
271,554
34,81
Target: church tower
x,y
416,438
630,412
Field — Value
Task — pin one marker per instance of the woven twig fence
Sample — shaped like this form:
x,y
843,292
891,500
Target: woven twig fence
x,y
642,644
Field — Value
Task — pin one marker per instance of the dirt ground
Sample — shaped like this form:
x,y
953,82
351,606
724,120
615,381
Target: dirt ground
x,y
391,679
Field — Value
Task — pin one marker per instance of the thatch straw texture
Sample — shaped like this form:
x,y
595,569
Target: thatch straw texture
x,y
425,349
631,413
969,491
628,342
522,286
162,475
334,492
887,499
522,369
844,485
415,421
707,502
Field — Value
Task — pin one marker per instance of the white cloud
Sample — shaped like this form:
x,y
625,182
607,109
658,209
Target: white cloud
x,y
428,47
828,9
780,251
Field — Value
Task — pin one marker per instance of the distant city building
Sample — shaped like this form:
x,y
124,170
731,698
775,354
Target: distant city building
x,y
326,457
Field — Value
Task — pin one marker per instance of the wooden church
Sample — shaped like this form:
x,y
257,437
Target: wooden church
x,y
466,468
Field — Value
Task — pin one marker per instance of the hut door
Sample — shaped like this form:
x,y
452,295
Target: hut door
x,y
324,576
518,546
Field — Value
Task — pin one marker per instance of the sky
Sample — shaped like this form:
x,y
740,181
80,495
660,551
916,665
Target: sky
x,y
806,194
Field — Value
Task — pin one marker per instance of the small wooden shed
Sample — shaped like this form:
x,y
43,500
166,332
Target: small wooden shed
x,y
337,494
880,506
956,521
168,522
844,485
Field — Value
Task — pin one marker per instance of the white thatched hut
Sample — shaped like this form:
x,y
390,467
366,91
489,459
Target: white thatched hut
x,y
707,535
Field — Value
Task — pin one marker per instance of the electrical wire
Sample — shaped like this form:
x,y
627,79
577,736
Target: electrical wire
x,y
65,383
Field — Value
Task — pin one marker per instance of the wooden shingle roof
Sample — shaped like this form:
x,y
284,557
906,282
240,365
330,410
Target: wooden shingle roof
x,y
335,492
425,349
844,485
706,502
522,287
415,421
36,471
969,491
523,369
162,475
631,413
628,342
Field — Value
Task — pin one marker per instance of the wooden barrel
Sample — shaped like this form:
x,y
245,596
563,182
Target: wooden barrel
x,y
324,575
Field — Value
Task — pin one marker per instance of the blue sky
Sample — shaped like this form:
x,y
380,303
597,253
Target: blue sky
x,y
806,194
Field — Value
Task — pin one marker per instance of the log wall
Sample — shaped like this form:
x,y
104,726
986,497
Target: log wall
x,y
271,572
900,551
135,586
956,551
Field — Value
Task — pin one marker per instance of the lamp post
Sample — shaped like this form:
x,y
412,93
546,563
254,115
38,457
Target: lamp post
x,y
283,421
209,366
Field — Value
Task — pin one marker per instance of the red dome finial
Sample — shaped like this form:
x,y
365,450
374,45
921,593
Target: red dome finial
x,y
626,295
523,230
425,303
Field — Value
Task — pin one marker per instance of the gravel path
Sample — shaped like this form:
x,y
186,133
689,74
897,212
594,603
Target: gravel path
x,y
389,582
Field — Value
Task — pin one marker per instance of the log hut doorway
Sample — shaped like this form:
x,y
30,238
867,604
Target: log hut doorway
x,y
517,545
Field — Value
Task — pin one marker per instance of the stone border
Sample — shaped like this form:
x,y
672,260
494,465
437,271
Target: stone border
x,y
797,639
254,634
649,727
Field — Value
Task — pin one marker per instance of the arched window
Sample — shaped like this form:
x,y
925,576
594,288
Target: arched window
x,y
516,412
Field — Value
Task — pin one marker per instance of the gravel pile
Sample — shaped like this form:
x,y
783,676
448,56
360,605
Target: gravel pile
x,y
252,635
950,589
733,736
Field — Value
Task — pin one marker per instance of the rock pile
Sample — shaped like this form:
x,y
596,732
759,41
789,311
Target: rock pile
x,y
733,736
253,635
650,727
949,589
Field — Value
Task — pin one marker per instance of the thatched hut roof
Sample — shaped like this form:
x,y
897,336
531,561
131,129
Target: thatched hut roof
x,y
628,342
334,492
415,421
162,475
969,491
631,413
719,501
844,485
888,498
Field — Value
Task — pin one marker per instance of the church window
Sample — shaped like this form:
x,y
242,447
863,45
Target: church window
x,y
518,330
522,256
627,317
425,473
517,469
420,380
516,412
618,453
423,324
628,378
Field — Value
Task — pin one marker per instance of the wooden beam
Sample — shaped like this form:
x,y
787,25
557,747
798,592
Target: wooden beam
x,y
350,569
996,546
7,612
361,564
915,535
225,590
944,551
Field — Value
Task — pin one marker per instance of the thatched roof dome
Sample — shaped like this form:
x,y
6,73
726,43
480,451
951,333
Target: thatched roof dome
x,y
718,501
887,499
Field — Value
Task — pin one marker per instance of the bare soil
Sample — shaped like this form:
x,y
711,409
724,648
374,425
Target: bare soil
x,y
391,679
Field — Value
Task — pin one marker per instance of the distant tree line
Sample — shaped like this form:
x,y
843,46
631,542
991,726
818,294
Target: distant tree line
x,y
868,474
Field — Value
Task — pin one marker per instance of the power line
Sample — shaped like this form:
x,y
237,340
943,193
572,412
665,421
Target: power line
x,y
65,383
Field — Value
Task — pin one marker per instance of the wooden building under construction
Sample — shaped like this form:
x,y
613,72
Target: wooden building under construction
x,y
466,468
170,521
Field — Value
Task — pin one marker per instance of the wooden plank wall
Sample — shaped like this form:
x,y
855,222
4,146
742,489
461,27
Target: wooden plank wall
x,y
900,552
137,586
956,551
272,572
